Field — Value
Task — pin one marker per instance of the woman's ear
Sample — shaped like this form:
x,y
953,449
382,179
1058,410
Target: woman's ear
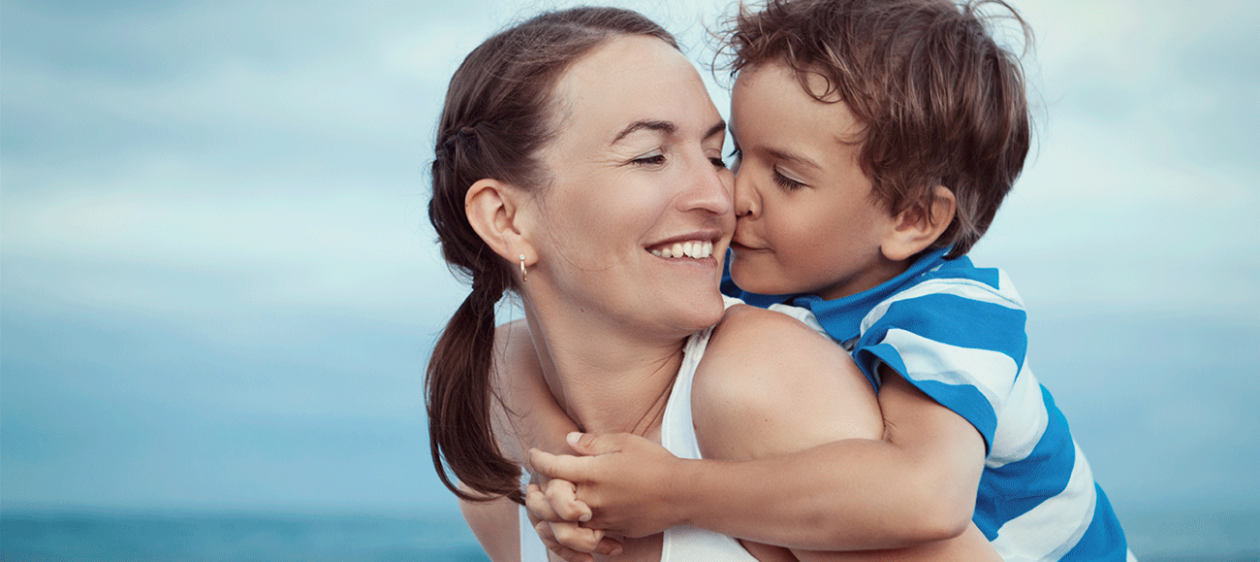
x,y
917,227
493,209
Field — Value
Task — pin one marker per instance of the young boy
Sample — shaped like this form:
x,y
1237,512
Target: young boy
x,y
876,140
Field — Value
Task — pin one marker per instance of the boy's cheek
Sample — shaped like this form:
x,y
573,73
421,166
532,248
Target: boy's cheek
x,y
752,273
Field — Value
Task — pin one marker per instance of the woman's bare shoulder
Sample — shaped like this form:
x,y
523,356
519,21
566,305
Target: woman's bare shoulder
x,y
769,384
748,332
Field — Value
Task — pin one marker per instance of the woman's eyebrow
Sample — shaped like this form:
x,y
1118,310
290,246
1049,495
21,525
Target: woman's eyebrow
x,y
666,127
719,127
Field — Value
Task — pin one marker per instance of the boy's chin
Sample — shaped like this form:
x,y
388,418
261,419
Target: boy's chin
x,y
758,285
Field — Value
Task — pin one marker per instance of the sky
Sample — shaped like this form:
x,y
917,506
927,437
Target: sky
x,y
219,288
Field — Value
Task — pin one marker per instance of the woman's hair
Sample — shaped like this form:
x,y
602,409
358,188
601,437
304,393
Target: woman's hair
x,y
499,113
941,102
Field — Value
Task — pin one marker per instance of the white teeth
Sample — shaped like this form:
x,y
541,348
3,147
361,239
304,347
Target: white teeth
x,y
696,250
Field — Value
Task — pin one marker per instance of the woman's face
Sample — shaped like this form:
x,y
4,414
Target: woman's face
x,y
639,212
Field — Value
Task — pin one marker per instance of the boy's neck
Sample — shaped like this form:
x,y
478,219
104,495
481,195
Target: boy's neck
x,y
842,317
883,271
903,271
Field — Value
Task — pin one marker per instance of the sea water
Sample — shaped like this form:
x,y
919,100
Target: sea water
x,y
101,536
226,537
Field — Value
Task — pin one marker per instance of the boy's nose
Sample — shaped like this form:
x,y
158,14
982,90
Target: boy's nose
x,y
747,203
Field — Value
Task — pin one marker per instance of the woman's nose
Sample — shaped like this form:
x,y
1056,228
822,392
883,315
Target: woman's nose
x,y
712,189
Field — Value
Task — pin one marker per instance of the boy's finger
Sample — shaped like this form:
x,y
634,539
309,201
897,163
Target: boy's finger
x,y
589,444
565,467
562,495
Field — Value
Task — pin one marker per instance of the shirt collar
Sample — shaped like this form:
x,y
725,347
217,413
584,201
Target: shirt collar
x,y
842,318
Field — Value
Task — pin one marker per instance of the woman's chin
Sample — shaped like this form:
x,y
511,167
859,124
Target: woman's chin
x,y
709,311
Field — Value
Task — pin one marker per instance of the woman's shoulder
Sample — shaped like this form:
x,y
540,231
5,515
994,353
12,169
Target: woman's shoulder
x,y
769,384
748,329
750,342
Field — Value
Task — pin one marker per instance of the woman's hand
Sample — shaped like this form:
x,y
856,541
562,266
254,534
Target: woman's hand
x,y
563,534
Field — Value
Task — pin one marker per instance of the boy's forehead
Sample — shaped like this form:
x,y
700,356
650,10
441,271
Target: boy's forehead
x,y
812,82
778,93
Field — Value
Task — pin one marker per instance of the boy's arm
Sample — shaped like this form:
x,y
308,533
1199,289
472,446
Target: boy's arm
x,y
776,387
917,485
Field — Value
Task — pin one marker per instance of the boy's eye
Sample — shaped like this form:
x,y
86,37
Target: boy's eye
x,y
736,154
786,183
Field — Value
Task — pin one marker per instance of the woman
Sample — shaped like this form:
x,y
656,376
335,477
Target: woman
x,y
604,205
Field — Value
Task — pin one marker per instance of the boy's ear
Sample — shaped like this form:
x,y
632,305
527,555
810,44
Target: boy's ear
x,y
917,227
493,209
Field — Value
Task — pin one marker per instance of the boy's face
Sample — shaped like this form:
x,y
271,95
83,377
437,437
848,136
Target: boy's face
x,y
806,219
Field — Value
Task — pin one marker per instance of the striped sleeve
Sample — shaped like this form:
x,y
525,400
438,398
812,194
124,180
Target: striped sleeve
x,y
960,341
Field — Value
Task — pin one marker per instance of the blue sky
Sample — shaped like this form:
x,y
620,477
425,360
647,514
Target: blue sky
x,y
218,287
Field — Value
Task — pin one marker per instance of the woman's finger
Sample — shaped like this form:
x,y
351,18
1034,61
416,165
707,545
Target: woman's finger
x,y
538,507
568,467
562,495
575,537
549,540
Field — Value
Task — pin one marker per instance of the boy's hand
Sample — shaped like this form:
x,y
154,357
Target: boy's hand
x,y
564,537
628,482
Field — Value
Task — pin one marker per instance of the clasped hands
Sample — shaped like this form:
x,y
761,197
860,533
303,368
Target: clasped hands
x,y
621,485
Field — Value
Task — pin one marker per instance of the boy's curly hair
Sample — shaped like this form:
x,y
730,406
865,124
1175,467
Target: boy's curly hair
x,y
941,102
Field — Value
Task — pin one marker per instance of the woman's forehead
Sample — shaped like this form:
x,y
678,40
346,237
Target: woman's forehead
x,y
631,79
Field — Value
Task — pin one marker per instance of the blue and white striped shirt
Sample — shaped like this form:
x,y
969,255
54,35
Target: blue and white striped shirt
x,y
957,333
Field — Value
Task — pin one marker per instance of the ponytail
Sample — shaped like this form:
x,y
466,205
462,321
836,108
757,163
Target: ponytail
x,y
458,391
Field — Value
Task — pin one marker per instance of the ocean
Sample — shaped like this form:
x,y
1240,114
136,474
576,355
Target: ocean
x,y
58,536
46,536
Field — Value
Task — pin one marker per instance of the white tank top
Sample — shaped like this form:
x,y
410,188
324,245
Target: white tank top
x,y
678,436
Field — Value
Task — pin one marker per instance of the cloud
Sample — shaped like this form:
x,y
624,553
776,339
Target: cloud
x,y
1179,80
1142,177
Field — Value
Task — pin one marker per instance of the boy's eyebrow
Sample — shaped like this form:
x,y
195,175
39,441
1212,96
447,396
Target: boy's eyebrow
x,y
793,158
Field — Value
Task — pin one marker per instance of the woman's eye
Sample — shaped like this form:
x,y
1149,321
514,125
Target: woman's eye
x,y
718,162
786,183
654,159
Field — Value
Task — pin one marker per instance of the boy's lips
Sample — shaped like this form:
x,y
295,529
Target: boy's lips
x,y
737,245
